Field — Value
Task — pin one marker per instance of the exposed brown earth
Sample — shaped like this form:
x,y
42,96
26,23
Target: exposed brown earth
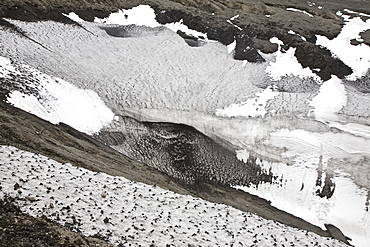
x,y
19,230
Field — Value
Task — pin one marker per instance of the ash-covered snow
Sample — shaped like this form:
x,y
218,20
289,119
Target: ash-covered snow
x,y
132,213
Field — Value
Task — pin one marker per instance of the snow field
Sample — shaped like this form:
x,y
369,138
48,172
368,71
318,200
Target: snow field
x,y
133,213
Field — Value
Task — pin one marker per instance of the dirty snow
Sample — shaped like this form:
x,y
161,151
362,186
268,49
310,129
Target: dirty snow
x,y
133,213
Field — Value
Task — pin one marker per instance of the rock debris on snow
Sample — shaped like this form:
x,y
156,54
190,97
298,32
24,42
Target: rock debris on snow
x,y
133,213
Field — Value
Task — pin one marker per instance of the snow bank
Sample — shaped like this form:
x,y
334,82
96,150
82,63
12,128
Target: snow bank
x,y
330,100
142,15
60,101
132,213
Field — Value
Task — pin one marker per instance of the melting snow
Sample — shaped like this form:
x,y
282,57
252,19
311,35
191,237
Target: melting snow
x,y
330,100
144,15
252,107
301,11
6,67
74,17
60,101
345,209
133,213
231,47
286,64
356,57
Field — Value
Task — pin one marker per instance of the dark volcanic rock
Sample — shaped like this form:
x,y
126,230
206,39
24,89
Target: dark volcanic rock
x,y
191,40
245,50
265,46
365,35
316,57
337,233
224,35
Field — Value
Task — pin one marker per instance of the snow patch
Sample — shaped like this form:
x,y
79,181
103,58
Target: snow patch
x,y
330,100
59,101
286,64
231,47
252,107
294,33
74,17
230,21
300,11
356,57
144,15
180,26
6,67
